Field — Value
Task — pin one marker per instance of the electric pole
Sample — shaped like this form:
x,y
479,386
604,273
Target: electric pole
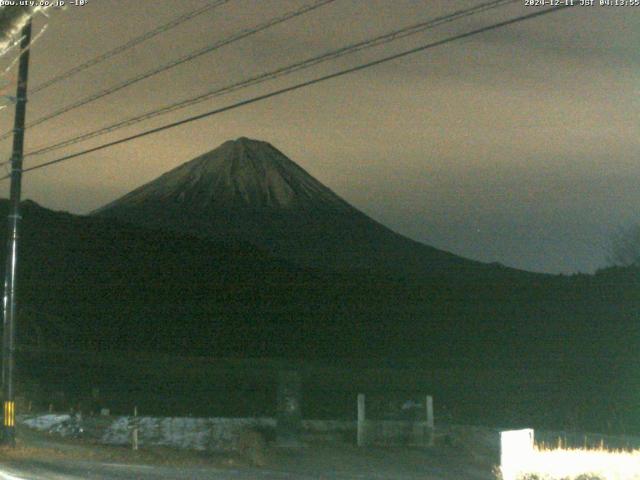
x,y
9,299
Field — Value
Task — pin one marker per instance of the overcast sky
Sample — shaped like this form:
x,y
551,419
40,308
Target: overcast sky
x,y
518,146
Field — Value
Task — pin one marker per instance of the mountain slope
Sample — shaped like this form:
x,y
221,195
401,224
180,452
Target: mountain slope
x,y
99,285
88,282
248,189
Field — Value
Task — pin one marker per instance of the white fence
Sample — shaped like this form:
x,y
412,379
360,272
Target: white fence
x,y
419,433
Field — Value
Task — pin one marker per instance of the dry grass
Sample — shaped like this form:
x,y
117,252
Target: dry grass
x,y
579,464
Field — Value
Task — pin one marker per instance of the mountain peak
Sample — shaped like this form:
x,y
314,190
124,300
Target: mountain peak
x,y
239,174
249,190
246,143
247,140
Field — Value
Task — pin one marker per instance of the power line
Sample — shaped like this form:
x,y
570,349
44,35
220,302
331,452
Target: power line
x,y
130,44
304,64
298,86
174,63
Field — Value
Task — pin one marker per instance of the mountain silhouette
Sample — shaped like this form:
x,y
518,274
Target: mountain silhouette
x,y
247,189
102,286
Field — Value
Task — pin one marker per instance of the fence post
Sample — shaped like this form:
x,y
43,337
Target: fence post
x,y
430,423
361,420
289,413
134,433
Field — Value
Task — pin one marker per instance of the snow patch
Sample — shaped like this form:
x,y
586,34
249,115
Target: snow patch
x,y
62,424
214,434
45,422
183,432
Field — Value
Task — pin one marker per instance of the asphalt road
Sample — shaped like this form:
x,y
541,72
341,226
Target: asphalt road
x,y
48,458
77,470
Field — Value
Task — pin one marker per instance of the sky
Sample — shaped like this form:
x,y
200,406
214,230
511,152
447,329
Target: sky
x,y
517,146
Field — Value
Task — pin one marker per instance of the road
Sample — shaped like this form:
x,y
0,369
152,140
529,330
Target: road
x,y
90,471
43,457
375,465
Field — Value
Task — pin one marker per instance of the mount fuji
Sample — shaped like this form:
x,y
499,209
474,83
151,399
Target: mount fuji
x,y
248,190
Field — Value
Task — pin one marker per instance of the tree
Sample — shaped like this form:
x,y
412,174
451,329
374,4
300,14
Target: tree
x,y
624,250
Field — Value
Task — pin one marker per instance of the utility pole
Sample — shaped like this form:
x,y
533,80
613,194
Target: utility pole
x,y
9,299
